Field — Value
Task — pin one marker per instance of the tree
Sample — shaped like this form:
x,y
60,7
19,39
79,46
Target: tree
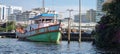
x,y
108,29
8,25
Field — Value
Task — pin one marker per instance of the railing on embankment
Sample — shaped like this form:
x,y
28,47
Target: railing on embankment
x,y
75,37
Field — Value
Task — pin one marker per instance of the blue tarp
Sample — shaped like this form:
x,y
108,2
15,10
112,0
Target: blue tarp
x,y
48,15
45,15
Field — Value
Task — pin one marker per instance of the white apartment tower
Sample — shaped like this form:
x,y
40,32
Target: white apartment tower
x,y
91,14
6,11
3,13
14,10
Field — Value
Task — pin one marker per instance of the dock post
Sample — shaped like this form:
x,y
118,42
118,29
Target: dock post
x,y
79,39
69,24
16,36
68,30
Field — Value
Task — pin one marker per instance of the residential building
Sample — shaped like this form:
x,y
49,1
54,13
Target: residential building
x,y
3,13
91,15
23,17
83,18
76,18
14,9
6,11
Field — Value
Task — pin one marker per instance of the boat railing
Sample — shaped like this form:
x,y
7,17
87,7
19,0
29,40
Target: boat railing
x,y
51,28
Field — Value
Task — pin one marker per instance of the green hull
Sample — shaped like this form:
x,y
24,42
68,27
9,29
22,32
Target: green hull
x,y
46,37
46,34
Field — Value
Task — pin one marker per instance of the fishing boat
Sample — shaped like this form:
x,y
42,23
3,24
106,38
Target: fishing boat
x,y
44,29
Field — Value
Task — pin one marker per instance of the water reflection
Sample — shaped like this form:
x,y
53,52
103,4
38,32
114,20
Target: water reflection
x,y
14,46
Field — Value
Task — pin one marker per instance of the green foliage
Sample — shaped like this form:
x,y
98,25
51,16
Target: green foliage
x,y
109,25
2,29
9,27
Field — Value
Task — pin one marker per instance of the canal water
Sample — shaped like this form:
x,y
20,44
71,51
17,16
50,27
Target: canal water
x,y
13,46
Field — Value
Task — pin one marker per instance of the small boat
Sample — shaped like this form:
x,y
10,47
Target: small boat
x,y
44,29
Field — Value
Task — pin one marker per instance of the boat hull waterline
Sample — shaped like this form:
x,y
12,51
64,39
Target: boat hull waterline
x,y
46,34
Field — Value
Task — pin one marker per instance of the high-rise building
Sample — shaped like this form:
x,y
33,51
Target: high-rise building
x,y
6,11
3,13
22,17
91,15
99,12
84,19
76,18
14,9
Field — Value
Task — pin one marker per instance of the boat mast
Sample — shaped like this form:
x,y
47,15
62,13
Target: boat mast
x,y
43,8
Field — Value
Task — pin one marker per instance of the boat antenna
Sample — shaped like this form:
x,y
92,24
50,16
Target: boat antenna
x,y
53,4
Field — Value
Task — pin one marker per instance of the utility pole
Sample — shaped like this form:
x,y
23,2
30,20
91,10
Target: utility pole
x,y
79,21
6,26
69,24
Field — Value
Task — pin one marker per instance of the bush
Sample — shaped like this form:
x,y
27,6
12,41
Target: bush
x,y
107,33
